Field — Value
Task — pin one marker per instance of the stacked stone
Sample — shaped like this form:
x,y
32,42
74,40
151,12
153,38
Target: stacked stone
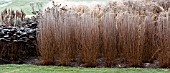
x,y
17,36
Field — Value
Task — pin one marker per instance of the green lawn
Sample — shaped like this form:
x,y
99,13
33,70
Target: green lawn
x,y
23,4
13,68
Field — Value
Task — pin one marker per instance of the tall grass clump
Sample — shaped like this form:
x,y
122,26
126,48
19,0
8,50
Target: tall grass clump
x,y
47,40
90,39
129,32
151,38
109,34
164,52
130,38
69,48
61,37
